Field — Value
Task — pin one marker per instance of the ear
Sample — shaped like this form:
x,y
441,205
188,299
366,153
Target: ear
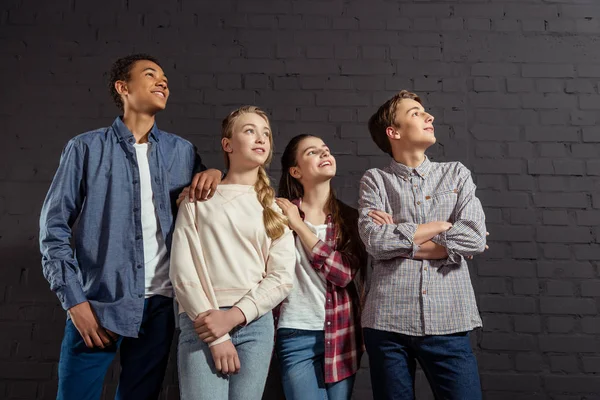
x,y
392,133
295,173
226,144
121,87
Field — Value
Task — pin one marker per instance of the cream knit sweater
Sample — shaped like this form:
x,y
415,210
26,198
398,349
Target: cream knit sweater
x,y
221,256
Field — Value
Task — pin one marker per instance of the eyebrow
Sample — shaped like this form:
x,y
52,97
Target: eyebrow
x,y
313,147
413,108
153,70
251,124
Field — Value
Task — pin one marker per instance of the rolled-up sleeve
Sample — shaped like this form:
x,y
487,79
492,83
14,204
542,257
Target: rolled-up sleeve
x,y
467,237
382,242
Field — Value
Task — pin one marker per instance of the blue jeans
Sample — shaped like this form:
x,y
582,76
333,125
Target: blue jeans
x,y
301,355
198,378
144,359
447,361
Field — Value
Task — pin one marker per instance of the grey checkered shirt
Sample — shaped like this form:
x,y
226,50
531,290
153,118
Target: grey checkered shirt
x,y
421,297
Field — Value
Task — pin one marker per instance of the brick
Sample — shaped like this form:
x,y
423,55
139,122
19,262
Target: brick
x,y
562,200
548,70
528,324
591,134
517,382
521,182
525,286
547,134
560,288
584,150
558,305
495,69
590,325
560,324
508,341
520,305
549,101
555,218
510,233
560,269
491,285
491,362
587,252
496,133
556,251
590,288
563,235
529,362
578,384
563,364
498,166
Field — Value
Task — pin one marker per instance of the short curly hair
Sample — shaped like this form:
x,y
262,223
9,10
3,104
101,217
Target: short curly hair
x,y
385,117
120,71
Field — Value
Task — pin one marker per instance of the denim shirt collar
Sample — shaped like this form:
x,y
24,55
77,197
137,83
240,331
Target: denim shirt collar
x,y
123,132
404,171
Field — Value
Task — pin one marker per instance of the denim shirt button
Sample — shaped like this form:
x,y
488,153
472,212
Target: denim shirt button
x,y
139,267
140,295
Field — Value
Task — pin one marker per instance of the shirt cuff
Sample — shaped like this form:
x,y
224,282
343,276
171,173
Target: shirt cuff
x,y
408,230
71,294
220,340
453,257
248,308
320,252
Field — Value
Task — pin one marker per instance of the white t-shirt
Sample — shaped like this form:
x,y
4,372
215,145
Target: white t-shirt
x,y
304,308
156,261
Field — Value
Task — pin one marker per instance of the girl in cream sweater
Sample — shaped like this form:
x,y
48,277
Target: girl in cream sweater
x,y
232,261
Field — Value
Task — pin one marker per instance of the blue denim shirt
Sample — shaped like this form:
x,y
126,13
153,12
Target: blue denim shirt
x,y
93,205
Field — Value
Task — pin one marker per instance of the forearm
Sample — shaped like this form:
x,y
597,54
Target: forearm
x,y
431,251
425,232
307,237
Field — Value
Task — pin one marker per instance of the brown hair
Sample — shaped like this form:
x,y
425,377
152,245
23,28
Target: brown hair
x,y
275,223
345,218
385,117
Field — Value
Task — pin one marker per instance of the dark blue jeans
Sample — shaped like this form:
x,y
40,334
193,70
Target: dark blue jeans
x,y
447,361
144,359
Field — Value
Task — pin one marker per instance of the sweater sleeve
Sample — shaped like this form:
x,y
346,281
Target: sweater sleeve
x,y
191,282
277,283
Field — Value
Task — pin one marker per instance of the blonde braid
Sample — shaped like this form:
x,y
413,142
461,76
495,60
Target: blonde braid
x,y
275,223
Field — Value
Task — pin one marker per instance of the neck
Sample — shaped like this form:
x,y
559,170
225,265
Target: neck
x,y
316,196
411,159
139,125
241,176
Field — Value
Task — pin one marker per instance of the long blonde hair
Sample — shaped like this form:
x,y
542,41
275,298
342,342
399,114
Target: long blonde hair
x,y
275,223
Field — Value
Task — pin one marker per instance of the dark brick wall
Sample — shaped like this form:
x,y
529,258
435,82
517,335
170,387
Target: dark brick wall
x,y
513,86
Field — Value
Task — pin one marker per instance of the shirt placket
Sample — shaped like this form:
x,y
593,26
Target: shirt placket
x,y
419,201
138,265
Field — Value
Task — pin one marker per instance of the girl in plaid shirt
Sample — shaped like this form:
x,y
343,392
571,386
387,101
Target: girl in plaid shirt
x,y
319,341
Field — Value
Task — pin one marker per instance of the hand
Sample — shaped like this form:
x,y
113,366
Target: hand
x,y
204,184
381,217
444,225
212,324
290,210
85,321
184,193
225,357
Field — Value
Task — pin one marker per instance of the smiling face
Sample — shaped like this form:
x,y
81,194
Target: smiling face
x,y
413,126
314,162
146,90
249,143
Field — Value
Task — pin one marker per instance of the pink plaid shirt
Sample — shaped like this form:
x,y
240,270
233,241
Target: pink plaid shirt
x,y
343,336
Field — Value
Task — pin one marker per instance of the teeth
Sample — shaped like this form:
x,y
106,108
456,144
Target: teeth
x,y
160,94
